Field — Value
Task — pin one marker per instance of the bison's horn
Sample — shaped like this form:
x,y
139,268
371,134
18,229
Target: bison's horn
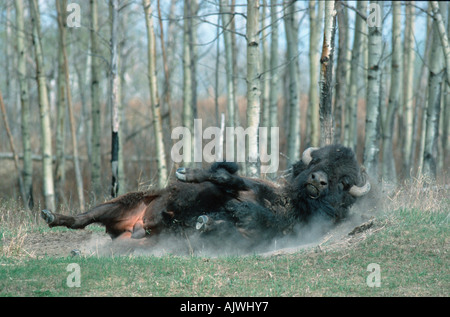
x,y
357,191
306,156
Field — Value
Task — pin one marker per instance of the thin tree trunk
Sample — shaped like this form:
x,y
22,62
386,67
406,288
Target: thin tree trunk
x,y
443,36
114,99
294,138
235,64
25,103
341,71
188,114
421,95
154,96
13,149
61,112
389,173
315,19
227,36
371,142
408,111
169,64
434,104
253,88
216,74
274,77
193,11
350,131
326,73
446,110
96,166
265,68
76,162
46,141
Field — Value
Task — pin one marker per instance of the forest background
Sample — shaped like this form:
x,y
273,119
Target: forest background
x,y
92,90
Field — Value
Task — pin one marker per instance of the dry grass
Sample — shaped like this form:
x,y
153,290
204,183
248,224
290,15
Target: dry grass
x,y
408,239
421,193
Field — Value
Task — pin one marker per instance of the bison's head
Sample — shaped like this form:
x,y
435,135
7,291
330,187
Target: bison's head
x,y
327,181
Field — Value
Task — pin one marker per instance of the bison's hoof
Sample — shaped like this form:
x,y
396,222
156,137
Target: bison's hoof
x,y
181,174
202,223
48,216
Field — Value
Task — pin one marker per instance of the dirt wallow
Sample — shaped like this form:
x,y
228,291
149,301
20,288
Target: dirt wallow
x,y
217,211
91,242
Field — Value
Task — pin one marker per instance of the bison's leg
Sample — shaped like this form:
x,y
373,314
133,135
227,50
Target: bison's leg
x,y
100,214
138,231
72,222
222,174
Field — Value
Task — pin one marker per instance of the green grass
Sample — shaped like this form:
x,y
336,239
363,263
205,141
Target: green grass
x,y
411,246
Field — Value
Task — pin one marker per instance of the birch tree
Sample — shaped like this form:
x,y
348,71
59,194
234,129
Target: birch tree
x,y
350,131
114,98
44,110
265,67
274,78
25,105
434,103
95,101
188,112
389,173
446,110
326,71
315,22
341,71
253,88
371,145
408,85
61,111
154,96
293,150
443,36
76,163
13,147
225,11
422,89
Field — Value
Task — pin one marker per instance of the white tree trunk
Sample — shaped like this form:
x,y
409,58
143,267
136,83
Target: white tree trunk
x,y
389,173
443,36
315,22
326,75
114,98
408,85
156,109
253,88
227,37
350,129
46,133
341,71
293,150
96,166
434,104
25,105
371,143
188,114
76,163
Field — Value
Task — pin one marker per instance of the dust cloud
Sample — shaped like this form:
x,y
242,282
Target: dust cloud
x,y
192,243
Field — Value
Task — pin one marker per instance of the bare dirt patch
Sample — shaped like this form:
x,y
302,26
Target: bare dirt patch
x,y
89,242
59,244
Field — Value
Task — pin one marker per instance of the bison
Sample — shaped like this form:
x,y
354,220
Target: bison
x,y
218,202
